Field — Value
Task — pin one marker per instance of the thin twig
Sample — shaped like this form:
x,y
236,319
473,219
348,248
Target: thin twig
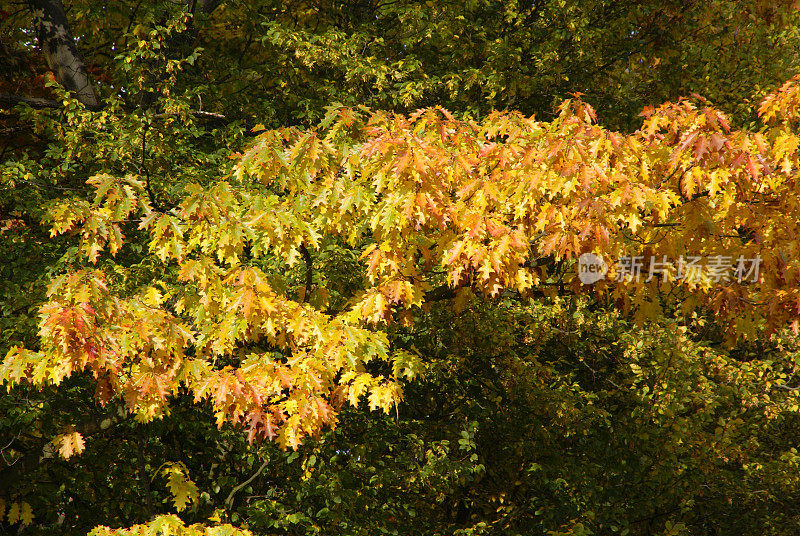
x,y
309,271
229,500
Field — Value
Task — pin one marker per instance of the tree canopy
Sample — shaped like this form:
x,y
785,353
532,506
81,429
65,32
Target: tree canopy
x,y
319,267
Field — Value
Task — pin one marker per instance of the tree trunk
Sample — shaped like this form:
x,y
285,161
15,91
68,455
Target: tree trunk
x,y
60,51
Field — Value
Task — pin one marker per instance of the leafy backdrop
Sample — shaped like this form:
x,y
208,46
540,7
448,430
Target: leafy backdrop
x,y
281,266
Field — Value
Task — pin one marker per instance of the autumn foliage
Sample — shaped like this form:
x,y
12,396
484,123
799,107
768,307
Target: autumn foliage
x,y
431,203
318,268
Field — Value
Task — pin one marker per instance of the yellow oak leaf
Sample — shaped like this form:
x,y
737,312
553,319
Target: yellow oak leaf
x,y
183,490
70,444
13,513
25,514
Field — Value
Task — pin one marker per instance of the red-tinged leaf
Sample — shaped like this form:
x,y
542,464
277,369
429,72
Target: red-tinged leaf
x,y
753,168
688,140
647,111
464,163
256,395
255,423
269,429
555,149
402,164
419,163
518,241
717,141
723,121
700,147
495,229
284,377
324,409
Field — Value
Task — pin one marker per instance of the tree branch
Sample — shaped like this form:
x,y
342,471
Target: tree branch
x,y
234,491
61,52
11,100
7,100
309,271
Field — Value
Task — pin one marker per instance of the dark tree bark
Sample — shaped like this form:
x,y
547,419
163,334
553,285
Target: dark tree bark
x,y
61,52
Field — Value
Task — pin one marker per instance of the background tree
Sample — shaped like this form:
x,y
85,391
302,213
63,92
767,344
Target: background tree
x,y
526,415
